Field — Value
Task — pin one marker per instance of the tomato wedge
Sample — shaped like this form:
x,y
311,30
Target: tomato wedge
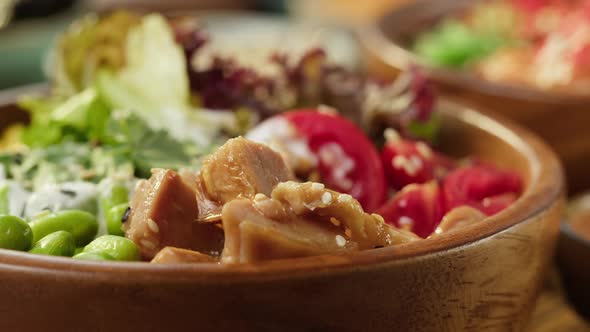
x,y
483,187
406,161
347,161
417,208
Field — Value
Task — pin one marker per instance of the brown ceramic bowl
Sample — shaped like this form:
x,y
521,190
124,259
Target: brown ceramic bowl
x,y
559,119
485,276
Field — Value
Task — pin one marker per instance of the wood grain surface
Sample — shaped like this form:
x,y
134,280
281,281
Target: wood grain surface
x,y
552,312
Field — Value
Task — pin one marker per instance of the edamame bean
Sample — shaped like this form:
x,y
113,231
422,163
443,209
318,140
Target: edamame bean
x,y
114,218
15,233
94,256
121,248
113,196
60,243
4,199
81,224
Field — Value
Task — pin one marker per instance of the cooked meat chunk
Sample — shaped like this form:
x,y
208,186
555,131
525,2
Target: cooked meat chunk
x,y
164,212
254,234
173,255
240,168
189,176
301,219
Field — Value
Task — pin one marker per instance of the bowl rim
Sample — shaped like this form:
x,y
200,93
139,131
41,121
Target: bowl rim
x,y
375,40
544,189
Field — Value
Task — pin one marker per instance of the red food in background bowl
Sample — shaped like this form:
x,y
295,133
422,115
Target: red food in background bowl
x,y
559,119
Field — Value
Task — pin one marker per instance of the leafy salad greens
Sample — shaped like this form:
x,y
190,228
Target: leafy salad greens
x,y
122,120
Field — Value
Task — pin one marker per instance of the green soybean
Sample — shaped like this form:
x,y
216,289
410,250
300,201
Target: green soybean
x,y
15,233
120,248
114,218
60,243
113,196
4,199
94,256
81,224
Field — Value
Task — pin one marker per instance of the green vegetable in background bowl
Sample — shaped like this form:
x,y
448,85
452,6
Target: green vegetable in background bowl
x,y
455,44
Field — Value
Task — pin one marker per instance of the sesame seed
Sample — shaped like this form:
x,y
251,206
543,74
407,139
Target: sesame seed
x,y
344,198
417,162
424,150
259,197
405,222
317,186
153,226
399,162
325,109
147,244
340,241
391,135
139,184
326,198
348,232
335,221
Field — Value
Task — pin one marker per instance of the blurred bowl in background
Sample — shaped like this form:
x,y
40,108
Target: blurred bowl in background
x,y
344,12
169,5
253,37
573,253
560,120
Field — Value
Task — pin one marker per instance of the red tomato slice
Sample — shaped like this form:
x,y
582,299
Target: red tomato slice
x,y
417,208
406,162
347,161
483,187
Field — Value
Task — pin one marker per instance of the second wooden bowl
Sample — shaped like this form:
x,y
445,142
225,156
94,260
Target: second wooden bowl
x,y
560,120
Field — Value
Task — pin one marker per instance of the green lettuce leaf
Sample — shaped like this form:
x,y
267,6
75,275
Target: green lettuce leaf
x,y
81,117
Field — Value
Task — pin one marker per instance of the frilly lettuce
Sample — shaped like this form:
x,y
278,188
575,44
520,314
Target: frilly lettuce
x,y
112,119
89,44
154,85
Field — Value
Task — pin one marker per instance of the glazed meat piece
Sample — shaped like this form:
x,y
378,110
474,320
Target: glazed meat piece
x,y
240,168
164,212
173,255
301,219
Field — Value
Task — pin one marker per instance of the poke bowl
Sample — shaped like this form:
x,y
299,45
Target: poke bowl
x,y
129,204
479,69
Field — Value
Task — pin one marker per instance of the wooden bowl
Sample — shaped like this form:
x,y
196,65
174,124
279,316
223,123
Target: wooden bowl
x,y
559,119
485,276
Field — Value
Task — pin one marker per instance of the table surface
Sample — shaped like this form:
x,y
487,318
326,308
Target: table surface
x,y
552,312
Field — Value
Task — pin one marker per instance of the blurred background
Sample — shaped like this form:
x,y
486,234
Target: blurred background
x,y
28,27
